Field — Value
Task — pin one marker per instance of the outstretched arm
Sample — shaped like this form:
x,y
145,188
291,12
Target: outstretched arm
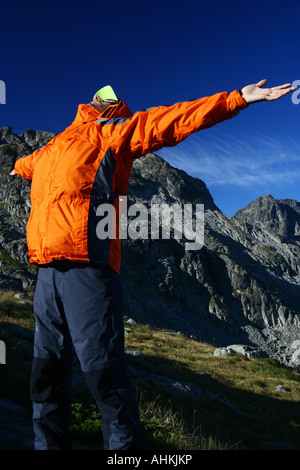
x,y
166,126
24,166
256,92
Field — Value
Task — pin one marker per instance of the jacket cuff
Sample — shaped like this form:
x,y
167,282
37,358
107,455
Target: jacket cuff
x,y
20,170
236,102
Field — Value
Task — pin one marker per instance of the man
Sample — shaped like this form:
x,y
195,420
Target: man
x,y
78,296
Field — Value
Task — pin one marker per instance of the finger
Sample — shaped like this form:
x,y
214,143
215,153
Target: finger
x,y
262,83
281,87
275,95
282,92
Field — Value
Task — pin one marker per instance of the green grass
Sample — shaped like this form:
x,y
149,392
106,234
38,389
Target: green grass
x,y
248,414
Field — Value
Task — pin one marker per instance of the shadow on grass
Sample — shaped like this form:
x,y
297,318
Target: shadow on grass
x,y
219,417
225,417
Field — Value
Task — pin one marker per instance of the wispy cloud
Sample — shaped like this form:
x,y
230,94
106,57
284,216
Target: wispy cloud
x,y
241,160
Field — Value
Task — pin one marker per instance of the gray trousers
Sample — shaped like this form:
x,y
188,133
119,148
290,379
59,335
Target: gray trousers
x,y
78,309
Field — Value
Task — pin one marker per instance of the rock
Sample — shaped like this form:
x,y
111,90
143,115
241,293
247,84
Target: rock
x,y
221,352
295,345
279,388
243,349
295,358
136,354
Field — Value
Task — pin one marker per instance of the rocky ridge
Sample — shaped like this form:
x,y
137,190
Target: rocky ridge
x,y
243,286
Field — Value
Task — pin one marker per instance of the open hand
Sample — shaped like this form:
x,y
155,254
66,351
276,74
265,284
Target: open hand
x,y
256,92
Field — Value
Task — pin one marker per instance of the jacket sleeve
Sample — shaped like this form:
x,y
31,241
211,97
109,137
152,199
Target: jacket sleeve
x,y
24,166
166,126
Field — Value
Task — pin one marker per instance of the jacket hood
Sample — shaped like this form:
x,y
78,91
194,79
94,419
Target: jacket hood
x,y
86,113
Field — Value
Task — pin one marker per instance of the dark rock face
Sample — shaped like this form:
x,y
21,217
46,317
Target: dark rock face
x,y
243,285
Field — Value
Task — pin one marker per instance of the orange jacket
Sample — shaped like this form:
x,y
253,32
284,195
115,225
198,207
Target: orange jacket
x,y
89,163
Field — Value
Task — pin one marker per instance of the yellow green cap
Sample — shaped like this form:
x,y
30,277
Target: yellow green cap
x,y
106,94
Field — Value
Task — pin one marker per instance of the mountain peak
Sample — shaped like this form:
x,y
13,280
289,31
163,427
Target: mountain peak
x,y
176,185
281,216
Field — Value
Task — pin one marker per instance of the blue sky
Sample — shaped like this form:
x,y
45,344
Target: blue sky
x,y
56,55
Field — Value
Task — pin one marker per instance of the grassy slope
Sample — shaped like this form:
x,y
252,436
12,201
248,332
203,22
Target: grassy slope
x,y
259,416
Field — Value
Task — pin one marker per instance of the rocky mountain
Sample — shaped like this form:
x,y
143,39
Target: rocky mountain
x,y
278,216
242,286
